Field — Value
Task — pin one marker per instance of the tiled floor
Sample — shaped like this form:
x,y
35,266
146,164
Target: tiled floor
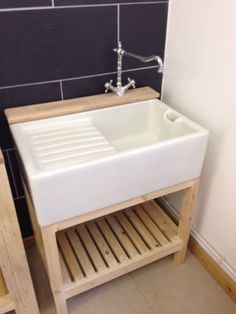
x,y
159,288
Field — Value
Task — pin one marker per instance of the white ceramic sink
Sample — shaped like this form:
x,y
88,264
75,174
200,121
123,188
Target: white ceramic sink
x,y
85,161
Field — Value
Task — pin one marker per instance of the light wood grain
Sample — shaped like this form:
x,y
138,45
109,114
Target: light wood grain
x,y
132,233
59,108
112,240
102,244
54,269
127,232
121,269
122,236
165,224
13,262
185,221
91,248
69,256
80,252
150,225
141,229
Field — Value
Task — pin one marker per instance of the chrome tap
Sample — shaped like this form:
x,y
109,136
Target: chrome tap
x,y
119,89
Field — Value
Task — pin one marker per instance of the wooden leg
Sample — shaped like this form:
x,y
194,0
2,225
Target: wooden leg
x,y
13,259
185,222
54,268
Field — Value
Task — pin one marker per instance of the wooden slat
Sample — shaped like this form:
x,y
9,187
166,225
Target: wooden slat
x,y
142,230
164,223
129,229
153,229
69,256
122,236
121,269
112,240
91,248
59,108
64,271
101,244
80,252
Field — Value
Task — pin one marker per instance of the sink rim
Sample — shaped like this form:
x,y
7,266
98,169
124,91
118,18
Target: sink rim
x,y
36,172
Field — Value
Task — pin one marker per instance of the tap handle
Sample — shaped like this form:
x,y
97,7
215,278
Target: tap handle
x,y
132,82
108,85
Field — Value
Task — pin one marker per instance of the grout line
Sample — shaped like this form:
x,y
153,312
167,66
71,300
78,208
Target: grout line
x,y
118,24
53,6
87,76
19,198
61,89
12,174
75,78
8,149
142,293
29,84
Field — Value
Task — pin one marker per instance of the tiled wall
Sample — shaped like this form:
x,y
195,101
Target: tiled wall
x,y
60,49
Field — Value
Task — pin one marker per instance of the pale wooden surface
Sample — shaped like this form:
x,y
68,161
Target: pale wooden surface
x,y
58,262
13,260
6,301
54,269
185,221
59,108
109,258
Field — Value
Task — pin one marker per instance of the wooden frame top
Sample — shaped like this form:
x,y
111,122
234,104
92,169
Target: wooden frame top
x,y
59,108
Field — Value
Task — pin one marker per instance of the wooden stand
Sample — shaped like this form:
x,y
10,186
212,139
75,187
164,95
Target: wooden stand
x,y
88,250
16,288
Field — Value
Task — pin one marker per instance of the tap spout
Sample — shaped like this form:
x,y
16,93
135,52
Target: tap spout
x,y
146,59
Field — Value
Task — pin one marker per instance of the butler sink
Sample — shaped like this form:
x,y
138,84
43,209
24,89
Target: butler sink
x,y
81,162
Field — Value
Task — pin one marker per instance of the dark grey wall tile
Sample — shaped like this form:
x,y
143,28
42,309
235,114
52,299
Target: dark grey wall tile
x,y
6,4
15,169
95,85
85,87
143,31
10,173
23,217
25,95
43,45
146,77
87,2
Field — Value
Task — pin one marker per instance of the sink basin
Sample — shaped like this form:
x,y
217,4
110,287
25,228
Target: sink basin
x,y
81,162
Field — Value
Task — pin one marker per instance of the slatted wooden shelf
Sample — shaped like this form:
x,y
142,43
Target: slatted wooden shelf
x,y
99,250
6,302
